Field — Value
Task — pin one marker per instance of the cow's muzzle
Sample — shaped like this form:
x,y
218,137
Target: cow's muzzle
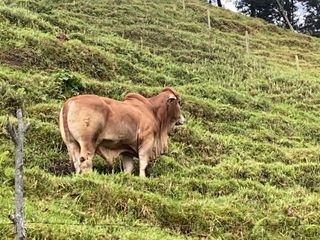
x,y
181,120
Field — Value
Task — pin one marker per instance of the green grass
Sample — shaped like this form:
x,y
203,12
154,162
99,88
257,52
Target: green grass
x,y
245,166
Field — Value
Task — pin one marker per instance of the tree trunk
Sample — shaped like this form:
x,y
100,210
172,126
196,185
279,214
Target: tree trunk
x,y
288,6
219,3
284,14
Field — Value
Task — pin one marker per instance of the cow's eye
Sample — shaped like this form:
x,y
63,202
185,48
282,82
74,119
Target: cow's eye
x,y
170,100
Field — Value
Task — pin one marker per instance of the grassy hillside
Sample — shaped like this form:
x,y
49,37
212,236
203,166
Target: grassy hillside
x,y
245,166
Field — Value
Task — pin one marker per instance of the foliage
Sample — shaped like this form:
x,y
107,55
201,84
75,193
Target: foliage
x,y
70,84
267,10
303,15
311,23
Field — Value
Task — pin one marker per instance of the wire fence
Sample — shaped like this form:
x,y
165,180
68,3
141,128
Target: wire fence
x,y
111,225
83,224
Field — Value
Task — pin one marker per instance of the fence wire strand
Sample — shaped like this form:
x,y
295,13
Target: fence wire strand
x,y
103,225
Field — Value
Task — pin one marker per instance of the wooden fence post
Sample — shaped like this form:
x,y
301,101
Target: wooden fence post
x,y
17,137
247,42
297,63
209,19
183,5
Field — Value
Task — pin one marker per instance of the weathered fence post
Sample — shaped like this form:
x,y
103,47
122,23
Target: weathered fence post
x,y
209,19
174,7
183,5
247,42
297,63
17,138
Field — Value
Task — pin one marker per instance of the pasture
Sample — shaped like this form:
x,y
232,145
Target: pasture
x,y
245,166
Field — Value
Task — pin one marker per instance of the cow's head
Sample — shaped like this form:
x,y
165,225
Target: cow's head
x,y
173,102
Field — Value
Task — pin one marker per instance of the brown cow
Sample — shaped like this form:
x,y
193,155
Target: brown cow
x,y
136,127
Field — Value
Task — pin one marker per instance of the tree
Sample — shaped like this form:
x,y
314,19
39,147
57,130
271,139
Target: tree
x,y
303,15
269,10
311,23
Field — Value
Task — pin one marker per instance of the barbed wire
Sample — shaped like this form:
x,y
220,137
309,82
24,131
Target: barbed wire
x,y
106,225
81,224
91,225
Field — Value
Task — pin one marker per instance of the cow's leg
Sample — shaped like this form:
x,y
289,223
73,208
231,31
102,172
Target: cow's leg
x,y
145,152
74,154
127,164
87,150
143,163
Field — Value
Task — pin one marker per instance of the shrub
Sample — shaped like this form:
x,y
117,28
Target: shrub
x,y
70,84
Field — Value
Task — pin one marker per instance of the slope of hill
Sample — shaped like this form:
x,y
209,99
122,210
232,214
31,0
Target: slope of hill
x,y
245,166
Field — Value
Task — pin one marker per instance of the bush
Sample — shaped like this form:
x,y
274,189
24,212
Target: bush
x,y
70,84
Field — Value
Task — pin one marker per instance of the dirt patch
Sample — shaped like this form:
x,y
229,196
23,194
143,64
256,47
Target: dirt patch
x,y
60,167
10,59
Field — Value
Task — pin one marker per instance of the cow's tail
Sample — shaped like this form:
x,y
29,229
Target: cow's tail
x,y
72,145
64,129
66,135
